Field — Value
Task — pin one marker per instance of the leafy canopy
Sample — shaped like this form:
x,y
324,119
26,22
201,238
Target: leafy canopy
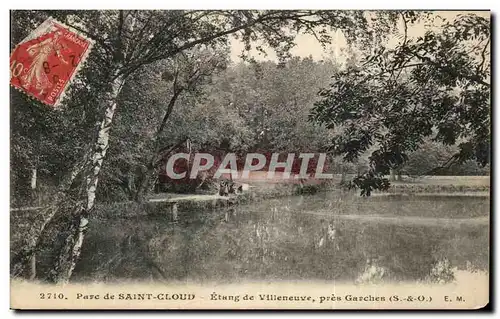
x,y
436,85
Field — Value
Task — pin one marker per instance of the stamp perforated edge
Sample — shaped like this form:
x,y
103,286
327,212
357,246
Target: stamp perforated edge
x,y
32,35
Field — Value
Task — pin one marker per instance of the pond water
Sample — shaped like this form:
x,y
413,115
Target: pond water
x,y
327,236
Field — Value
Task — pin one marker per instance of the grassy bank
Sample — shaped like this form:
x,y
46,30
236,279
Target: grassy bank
x,y
442,184
435,185
186,203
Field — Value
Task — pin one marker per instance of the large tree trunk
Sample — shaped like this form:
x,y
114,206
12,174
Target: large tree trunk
x,y
151,164
70,252
151,167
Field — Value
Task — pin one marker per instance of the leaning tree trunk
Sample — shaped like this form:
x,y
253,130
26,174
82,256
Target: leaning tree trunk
x,y
70,252
26,257
151,168
151,165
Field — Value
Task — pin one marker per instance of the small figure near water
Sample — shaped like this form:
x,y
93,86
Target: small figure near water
x,y
229,187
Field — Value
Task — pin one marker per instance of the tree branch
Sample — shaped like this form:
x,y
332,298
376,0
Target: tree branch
x,y
447,164
193,43
170,108
475,79
371,77
119,55
480,67
167,150
93,36
406,30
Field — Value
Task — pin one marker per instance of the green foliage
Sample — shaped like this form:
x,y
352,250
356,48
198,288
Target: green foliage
x,y
432,86
368,182
434,158
247,107
127,42
157,112
385,107
274,100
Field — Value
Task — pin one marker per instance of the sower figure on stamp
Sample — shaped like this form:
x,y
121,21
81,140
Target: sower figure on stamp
x,y
36,74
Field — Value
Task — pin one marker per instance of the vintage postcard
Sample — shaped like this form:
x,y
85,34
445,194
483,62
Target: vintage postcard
x,y
250,159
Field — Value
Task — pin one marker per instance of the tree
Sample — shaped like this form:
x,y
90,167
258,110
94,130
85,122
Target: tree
x,y
126,41
149,127
223,109
432,158
53,142
274,100
435,85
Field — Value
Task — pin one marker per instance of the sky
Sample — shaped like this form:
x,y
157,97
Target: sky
x,y
307,45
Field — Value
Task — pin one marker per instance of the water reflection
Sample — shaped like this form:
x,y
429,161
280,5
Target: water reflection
x,y
296,238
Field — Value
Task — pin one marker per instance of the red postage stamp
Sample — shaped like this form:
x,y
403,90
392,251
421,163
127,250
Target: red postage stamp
x,y
45,62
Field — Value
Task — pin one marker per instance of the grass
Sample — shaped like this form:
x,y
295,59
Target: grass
x,y
407,188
